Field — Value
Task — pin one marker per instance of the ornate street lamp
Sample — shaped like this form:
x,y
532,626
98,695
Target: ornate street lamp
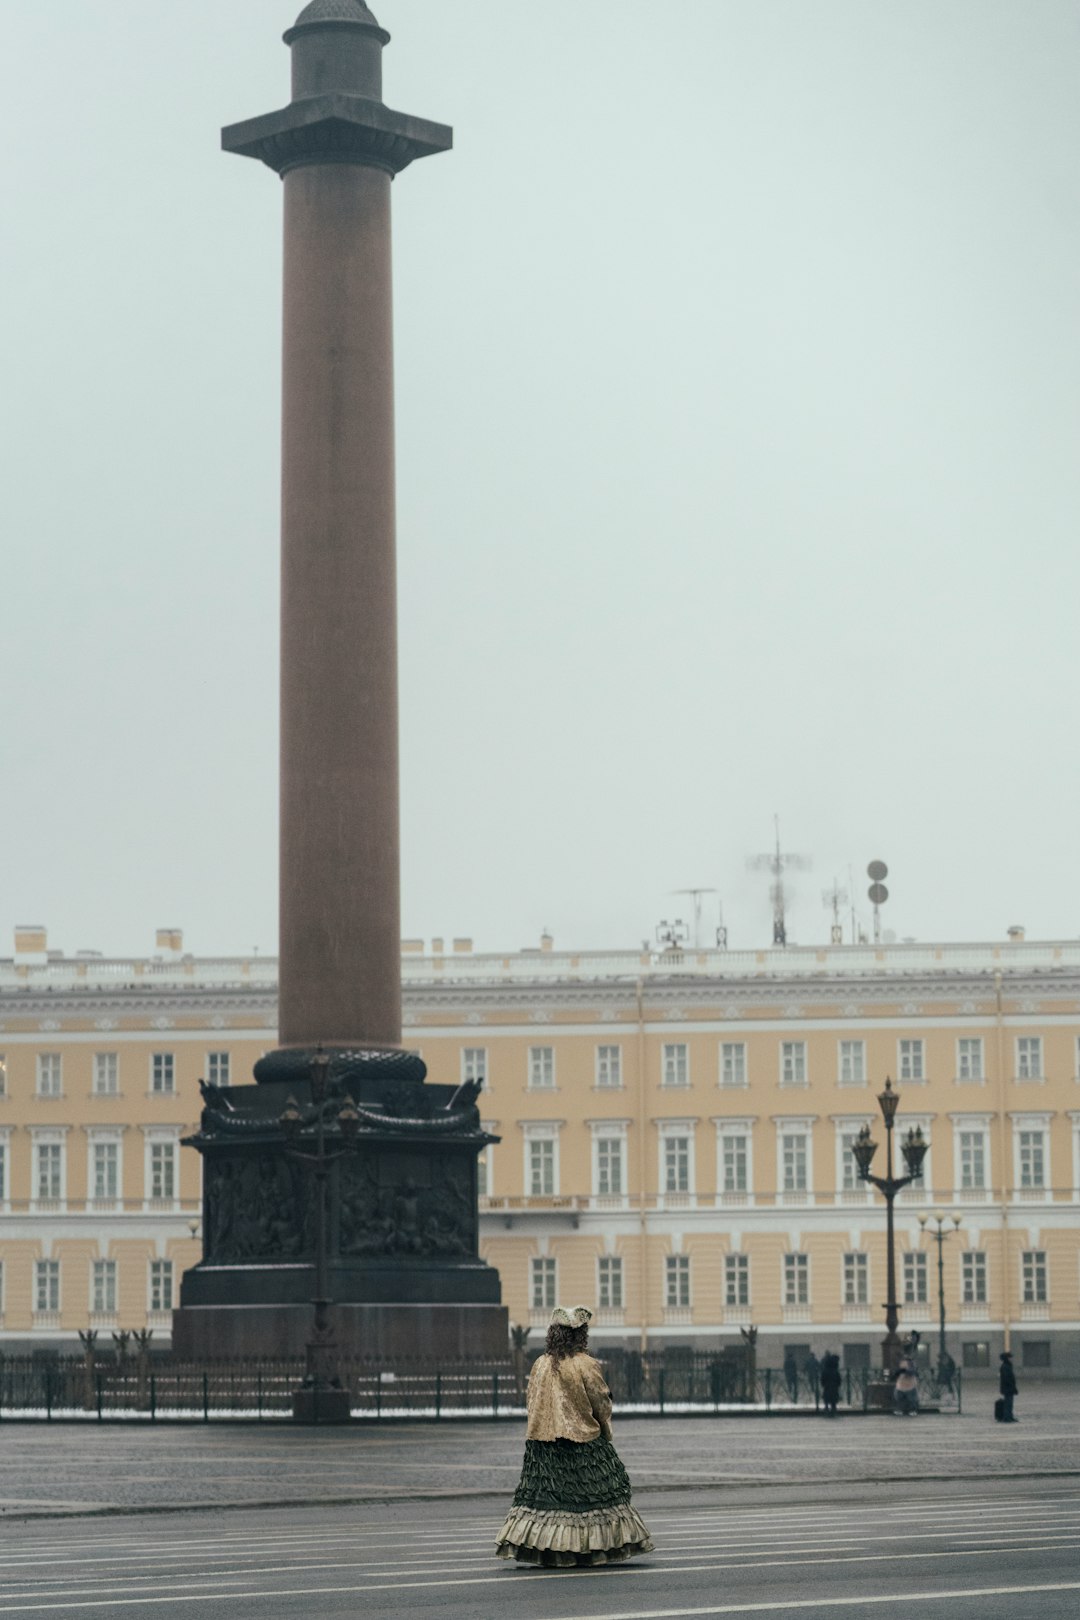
x,y
914,1149
939,1237
321,1398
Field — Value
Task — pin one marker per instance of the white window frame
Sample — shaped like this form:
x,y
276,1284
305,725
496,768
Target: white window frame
x,y
105,1076
675,1065
104,1136
971,1125
678,1283
737,1294
155,1274
1031,1124
794,1064
104,1285
974,1277
474,1066
5,1171
219,1067
849,1189
796,1278
543,1269
3,1089
847,1050
1030,1059
48,1136
855,1277
734,1070
157,1136
911,1060
963,1060
541,1069
795,1125
1034,1277
725,1130
49,1069
610,1282
541,1131
162,1064
915,1267
608,1069
54,1302
486,1158
675,1130
609,1133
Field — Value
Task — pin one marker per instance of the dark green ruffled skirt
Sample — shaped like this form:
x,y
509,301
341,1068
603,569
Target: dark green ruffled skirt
x,y
572,1506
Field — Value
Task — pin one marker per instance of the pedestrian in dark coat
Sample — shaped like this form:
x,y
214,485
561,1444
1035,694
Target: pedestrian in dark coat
x,y
830,1382
791,1375
1008,1387
812,1373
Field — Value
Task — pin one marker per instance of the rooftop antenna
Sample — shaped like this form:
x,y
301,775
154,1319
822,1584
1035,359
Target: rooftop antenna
x,y
721,928
835,897
778,862
672,936
876,872
697,894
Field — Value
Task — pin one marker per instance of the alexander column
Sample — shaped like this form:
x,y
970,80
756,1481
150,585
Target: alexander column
x,y
345,1183
337,149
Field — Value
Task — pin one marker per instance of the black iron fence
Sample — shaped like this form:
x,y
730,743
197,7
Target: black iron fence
x,y
153,1388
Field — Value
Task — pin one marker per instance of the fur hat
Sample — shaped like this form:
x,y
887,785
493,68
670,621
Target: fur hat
x,y
576,1317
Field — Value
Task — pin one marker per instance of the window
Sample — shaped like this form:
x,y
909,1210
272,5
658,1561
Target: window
x,y
50,1074
912,1060
542,1168
609,1166
106,1081
969,1058
793,1063
1036,1353
676,1164
609,1065
474,1065
105,1170
856,1279
849,1170
217,1068
735,1161
852,1063
161,1285
3,1075
796,1279
609,1283
1032,1153
542,1290
162,1072
163,1170
1034,1277
1029,1065
793,1161
733,1063
976,1354
541,1068
3,1170
49,1171
736,1279
676,1064
973,1277
46,1286
972,1161
916,1279
103,1287
677,1282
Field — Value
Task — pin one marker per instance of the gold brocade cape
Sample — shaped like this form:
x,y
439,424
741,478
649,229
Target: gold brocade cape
x,y
568,1400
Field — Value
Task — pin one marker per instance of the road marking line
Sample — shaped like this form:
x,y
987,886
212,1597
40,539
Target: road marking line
x,y
834,1602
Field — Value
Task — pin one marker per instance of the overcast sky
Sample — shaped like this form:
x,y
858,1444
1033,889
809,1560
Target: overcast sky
x,y
738,351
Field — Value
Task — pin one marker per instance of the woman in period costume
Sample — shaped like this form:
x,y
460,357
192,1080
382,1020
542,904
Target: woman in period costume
x,y
572,1504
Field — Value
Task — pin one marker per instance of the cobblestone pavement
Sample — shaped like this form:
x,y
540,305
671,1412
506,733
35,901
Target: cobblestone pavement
x,y
79,1468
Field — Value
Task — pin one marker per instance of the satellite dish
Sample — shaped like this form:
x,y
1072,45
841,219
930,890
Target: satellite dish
x,y
877,891
876,871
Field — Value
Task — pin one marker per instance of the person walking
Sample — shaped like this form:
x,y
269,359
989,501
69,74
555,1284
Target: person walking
x,y
812,1373
830,1382
791,1375
906,1390
1008,1386
572,1503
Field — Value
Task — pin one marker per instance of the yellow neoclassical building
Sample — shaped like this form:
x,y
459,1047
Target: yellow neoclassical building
x,y
675,1133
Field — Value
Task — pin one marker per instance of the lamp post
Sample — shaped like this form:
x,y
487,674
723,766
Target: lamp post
x,y
914,1149
939,1235
320,1399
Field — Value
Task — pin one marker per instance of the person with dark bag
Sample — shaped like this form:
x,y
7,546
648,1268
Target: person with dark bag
x,y
1008,1387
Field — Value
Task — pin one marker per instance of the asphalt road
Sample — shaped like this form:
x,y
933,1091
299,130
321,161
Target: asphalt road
x,y
1005,1550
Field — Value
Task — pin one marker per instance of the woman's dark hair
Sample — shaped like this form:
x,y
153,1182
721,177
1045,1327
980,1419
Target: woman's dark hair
x,y
565,1341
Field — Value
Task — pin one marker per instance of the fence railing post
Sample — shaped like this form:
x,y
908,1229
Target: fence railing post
x,y
48,1394
98,1382
206,1397
495,1395
378,1394
847,1375
768,1390
438,1394
660,1389
959,1392
153,1397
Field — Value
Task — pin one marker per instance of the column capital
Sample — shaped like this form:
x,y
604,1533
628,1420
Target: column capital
x,y
337,128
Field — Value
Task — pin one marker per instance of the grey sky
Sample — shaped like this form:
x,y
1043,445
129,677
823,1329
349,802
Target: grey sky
x,y
738,348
